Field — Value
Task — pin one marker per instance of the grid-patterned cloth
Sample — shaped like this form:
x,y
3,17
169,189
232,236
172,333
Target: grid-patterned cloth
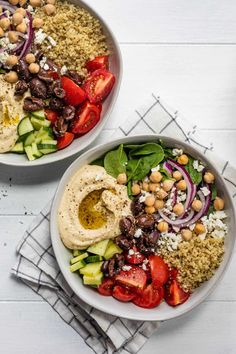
x,y
37,267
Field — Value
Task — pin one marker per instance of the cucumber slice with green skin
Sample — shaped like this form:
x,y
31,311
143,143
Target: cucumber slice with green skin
x,y
76,266
111,250
25,126
30,139
18,148
78,258
49,142
36,151
38,123
76,253
99,248
29,153
96,280
91,269
46,150
39,114
93,259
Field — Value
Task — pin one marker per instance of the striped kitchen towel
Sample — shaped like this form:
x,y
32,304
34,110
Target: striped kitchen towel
x,y
37,267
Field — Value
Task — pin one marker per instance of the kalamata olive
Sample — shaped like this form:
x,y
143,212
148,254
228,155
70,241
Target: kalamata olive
x,y
21,87
44,76
104,267
23,71
145,221
148,240
56,104
38,88
60,127
123,242
136,207
68,113
154,235
32,104
119,261
111,268
73,75
127,226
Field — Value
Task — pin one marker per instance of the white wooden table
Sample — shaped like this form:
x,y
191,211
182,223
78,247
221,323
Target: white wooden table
x,y
184,50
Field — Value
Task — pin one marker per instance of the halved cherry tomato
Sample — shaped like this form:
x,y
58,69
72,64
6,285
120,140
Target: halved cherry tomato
x,y
85,119
173,272
106,287
54,74
123,293
150,297
99,85
134,277
65,140
174,294
74,94
136,257
51,115
100,62
159,270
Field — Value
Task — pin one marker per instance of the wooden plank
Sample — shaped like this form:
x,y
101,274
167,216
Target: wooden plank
x,y
170,21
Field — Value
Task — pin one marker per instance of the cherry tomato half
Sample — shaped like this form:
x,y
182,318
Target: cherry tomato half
x,y
150,297
51,115
159,270
135,257
123,293
134,277
174,294
74,94
100,62
65,140
85,119
99,85
106,287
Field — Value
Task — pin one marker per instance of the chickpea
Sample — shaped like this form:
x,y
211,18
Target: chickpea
x,y
17,18
199,229
186,234
121,178
30,58
34,69
181,185
22,27
21,11
209,177
178,209
35,3
177,175
11,60
156,177
51,2
159,204
162,226
150,200
135,189
161,194
197,205
5,23
182,159
11,77
13,2
219,203
145,186
37,23
22,2
1,32
13,37
49,9
153,187
149,209
167,185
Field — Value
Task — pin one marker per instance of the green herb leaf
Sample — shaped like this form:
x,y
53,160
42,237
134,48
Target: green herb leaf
x,y
213,192
195,176
129,190
147,149
210,210
98,162
137,169
115,161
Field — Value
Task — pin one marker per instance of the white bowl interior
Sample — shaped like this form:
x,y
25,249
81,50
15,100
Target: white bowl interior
x,y
128,310
81,143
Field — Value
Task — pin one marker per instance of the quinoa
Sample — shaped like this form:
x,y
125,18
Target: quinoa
x,y
78,36
196,260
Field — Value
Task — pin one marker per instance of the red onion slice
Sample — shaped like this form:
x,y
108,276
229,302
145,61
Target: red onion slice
x,y
178,222
206,202
167,167
7,6
29,36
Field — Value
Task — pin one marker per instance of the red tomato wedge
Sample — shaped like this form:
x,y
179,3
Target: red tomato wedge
x,y
174,294
51,115
159,270
135,257
86,118
99,85
134,277
53,74
74,94
122,293
100,62
65,140
150,297
106,288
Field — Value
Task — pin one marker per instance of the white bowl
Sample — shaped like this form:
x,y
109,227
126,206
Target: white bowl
x,y
81,143
128,310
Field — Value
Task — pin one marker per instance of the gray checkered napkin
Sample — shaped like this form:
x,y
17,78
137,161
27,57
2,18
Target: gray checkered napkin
x,y
37,267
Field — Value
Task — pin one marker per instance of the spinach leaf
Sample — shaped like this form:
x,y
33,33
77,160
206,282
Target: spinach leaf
x,y
129,190
210,210
213,192
147,149
196,176
137,169
115,161
98,162
165,174
168,153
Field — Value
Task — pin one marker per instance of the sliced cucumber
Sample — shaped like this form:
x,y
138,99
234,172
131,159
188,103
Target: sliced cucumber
x,y
96,280
18,148
38,114
47,146
111,250
49,142
25,126
76,253
91,269
76,266
36,151
99,248
78,258
29,139
29,153
93,259
38,123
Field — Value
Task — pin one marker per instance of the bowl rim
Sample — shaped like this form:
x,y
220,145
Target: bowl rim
x,y
97,130
106,146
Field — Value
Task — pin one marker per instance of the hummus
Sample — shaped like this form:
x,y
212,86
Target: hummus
x,y
91,208
11,112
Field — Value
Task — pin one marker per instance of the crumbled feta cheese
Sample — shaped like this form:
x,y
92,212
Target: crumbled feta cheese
x,y
146,179
170,240
177,152
192,226
181,197
30,8
175,228
157,168
146,261
131,252
144,196
42,62
46,66
63,70
197,166
3,57
40,36
144,267
138,233
126,267
214,224
202,236
52,41
205,191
